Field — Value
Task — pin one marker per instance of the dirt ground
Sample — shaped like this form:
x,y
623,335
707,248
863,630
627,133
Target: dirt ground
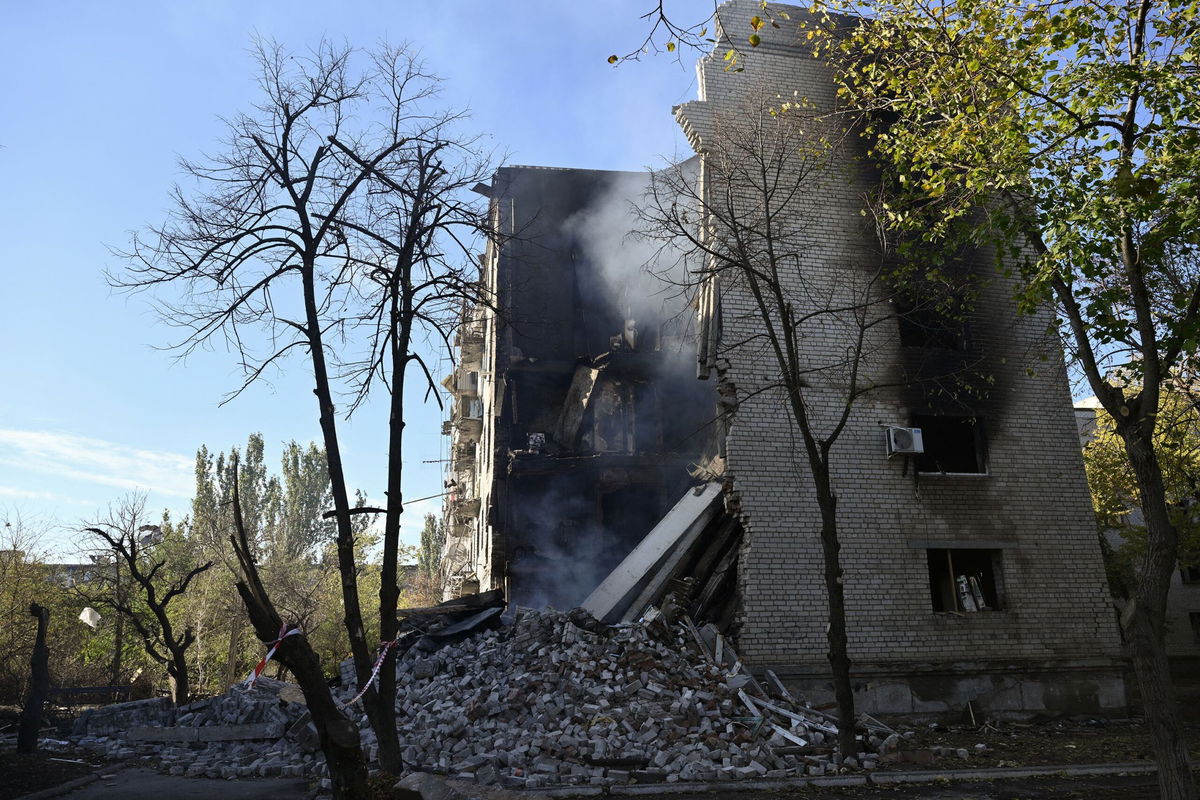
x,y
21,775
139,783
1049,742
1134,787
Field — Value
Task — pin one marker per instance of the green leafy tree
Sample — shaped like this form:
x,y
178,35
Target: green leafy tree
x,y
285,520
302,528
1070,132
429,552
155,582
1115,490
225,641
79,655
423,586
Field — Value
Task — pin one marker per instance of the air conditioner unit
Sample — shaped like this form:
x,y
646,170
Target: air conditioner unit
x,y
904,440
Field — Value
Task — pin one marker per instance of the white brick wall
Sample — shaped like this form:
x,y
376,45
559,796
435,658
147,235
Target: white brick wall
x,y
1033,504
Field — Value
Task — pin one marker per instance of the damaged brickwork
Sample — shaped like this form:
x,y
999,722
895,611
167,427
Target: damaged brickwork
x,y
1040,632
973,576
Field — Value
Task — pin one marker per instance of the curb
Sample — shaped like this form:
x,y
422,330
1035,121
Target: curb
x,y
1003,773
881,779
62,788
736,786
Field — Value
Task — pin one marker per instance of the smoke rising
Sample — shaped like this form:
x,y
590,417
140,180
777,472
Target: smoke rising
x,y
641,278
578,510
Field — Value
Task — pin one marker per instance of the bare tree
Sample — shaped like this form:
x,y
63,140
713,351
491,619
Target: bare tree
x,y
336,223
809,328
153,585
338,735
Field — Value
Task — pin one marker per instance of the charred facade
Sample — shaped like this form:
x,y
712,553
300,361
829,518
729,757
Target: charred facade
x,y
576,412
972,573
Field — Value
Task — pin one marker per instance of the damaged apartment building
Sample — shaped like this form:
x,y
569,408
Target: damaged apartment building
x,y
577,412
972,572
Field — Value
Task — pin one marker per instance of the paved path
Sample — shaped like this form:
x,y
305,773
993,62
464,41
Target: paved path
x,y
1094,782
140,783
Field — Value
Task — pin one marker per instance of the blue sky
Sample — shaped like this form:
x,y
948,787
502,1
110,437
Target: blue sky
x,y
100,100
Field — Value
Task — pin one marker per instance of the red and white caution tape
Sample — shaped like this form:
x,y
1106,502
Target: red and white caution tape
x,y
383,649
262,664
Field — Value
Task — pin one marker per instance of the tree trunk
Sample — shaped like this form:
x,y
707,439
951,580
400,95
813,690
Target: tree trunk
x,y
384,700
231,653
338,735
347,567
1145,626
177,671
114,669
839,657
39,685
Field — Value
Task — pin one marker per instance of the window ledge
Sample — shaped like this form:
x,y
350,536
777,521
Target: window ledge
x,y
954,474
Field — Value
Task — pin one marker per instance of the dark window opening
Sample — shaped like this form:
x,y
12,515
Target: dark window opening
x,y
1194,617
952,444
965,580
932,325
1190,574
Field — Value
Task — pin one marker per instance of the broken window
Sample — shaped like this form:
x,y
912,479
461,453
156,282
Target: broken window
x,y
964,580
953,445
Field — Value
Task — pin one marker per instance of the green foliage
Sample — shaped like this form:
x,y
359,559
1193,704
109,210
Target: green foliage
x,y
23,579
429,553
284,516
79,655
1115,494
305,497
1073,124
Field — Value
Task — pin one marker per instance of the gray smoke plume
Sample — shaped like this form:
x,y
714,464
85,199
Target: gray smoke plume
x,y
570,539
642,277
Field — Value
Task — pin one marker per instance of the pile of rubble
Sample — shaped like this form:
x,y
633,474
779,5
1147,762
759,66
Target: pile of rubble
x,y
558,699
259,731
551,699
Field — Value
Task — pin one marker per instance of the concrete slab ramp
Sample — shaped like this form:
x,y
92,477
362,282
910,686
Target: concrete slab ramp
x,y
644,576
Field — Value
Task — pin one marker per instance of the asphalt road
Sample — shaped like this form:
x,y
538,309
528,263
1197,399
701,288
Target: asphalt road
x,y
140,783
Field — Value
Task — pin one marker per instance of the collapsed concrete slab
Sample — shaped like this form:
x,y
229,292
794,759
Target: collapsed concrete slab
x,y
640,578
